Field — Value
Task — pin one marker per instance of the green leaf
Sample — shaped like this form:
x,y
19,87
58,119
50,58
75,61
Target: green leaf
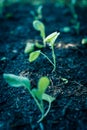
x,y
39,26
48,98
17,81
42,86
37,94
34,55
51,38
38,45
29,48
39,10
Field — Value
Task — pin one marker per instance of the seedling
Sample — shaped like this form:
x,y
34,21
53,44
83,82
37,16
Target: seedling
x,y
49,40
74,21
38,93
37,14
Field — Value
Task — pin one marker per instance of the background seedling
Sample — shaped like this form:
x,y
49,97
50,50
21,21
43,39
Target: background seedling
x,y
37,14
38,93
74,21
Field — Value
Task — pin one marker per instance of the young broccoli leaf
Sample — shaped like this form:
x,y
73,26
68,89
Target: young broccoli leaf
x,y
29,48
51,38
17,81
42,86
39,26
48,98
34,55
38,45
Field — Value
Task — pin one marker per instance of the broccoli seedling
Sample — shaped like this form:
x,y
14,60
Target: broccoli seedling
x,y
38,93
49,40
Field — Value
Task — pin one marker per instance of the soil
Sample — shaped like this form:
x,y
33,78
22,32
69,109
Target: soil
x,y
17,108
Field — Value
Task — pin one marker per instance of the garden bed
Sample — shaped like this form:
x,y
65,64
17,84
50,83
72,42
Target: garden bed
x,y
17,108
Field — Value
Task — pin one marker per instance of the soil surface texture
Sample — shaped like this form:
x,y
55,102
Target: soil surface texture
x,y
18,110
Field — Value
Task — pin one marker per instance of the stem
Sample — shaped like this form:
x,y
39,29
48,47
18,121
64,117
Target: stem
x,y
44,43
38,104
47,58
54,58
45,112
48,109
42,106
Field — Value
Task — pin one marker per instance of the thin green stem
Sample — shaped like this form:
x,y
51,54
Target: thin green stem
x,y
45,112
47,58
42,106
38,104
54,58
48,109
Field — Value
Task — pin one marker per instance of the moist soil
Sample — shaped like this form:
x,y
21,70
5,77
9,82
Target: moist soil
x,y
17,108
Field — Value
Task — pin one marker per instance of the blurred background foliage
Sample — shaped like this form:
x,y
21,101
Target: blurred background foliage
x,y
81,3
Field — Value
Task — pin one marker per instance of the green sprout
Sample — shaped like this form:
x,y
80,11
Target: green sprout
x,y
74,21
37,14
49,40
38,93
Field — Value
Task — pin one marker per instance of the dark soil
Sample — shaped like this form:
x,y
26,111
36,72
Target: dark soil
x,y
17,109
